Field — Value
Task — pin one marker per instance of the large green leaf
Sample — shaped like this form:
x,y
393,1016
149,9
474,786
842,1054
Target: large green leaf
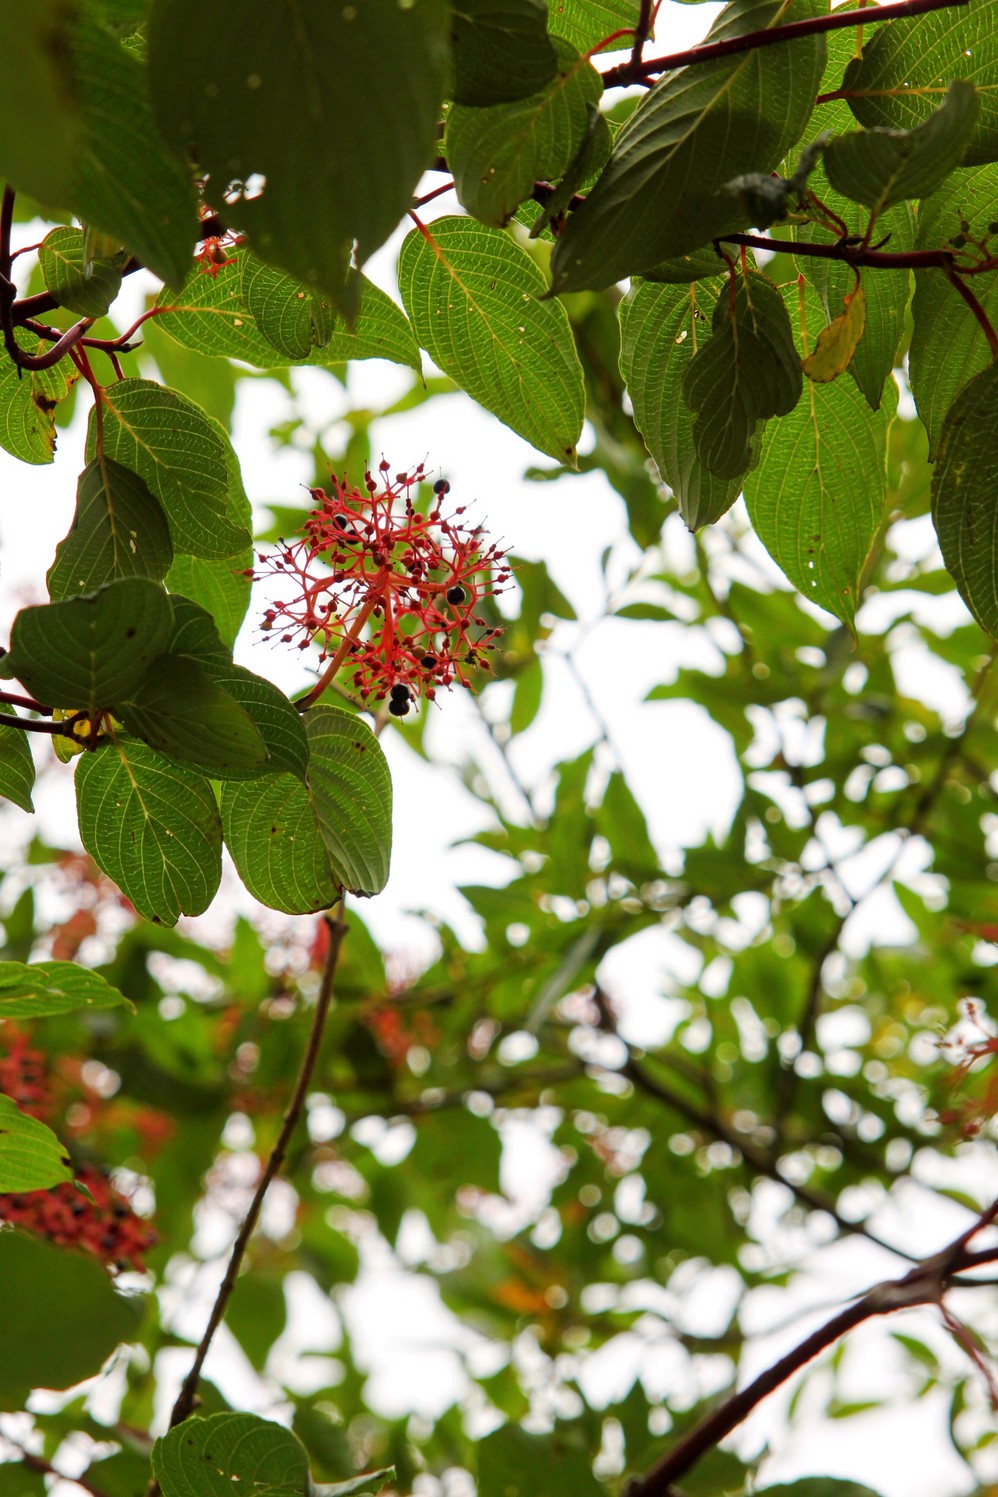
x,y
130,185
881,167
500,50
278,722
210,315
585,23
17,767
64,269
27,403
35,990
948,346
61,1317
662,192
272,832
472,294
36,83
118,531
964,484
230,1455
152,826
287,314
747,371
170,442
352,793
181,711
85,653
659,334
295,105
816,497
906,66
497,154
31,1157
221,586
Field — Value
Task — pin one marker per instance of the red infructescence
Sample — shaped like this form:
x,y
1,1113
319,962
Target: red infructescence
x,y
387,591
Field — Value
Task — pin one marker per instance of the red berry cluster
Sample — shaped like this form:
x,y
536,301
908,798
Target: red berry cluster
x,y
106,1225
389,592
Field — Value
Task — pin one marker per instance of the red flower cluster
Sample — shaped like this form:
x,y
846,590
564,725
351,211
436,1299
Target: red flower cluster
x,y
387,591
105,1226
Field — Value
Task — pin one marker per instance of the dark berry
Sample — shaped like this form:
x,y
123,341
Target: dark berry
x,y
441,486
398,708
399,692
456,595
428,662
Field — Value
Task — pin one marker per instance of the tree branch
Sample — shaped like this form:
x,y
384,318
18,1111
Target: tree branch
x,y
851,254
925,1284
635,71
188,1392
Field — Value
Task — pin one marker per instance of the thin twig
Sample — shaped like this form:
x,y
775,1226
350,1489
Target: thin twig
x,y
630,72
188,1392
925,1284
45,1468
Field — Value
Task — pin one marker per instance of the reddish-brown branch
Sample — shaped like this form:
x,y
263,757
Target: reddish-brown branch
x,y
628,72
188,1392
925,1284
850,254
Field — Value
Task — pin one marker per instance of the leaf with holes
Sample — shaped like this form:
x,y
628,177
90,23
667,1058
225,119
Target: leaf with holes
x,y
230,1455
64,270
882,167
472,294
659,335
187,716
37,990
497,154
118,531
255,98
905,67
17,767
947,345
28,402
171,443
663,191
964,483
837,343
816,497
152,826
501,51
31,1157
747,371
85,653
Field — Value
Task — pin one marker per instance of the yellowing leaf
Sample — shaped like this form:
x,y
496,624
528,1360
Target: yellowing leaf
x,y
838,341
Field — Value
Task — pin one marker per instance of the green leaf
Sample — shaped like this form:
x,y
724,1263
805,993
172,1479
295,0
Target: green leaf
x,y
272,831
27,403
584,23
300,107
472,295
36,83
230,1455
210,316
222,587
17,767
352,793
510,1459
659,335
152,826
501,51
31,1157
286,313
118,531
747,371
816,498
36,990
278,722
61,1319
964,483
904,66
129,185
497,154
663,190
182,712
64,271
85,653
947,345
881,167
170,442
